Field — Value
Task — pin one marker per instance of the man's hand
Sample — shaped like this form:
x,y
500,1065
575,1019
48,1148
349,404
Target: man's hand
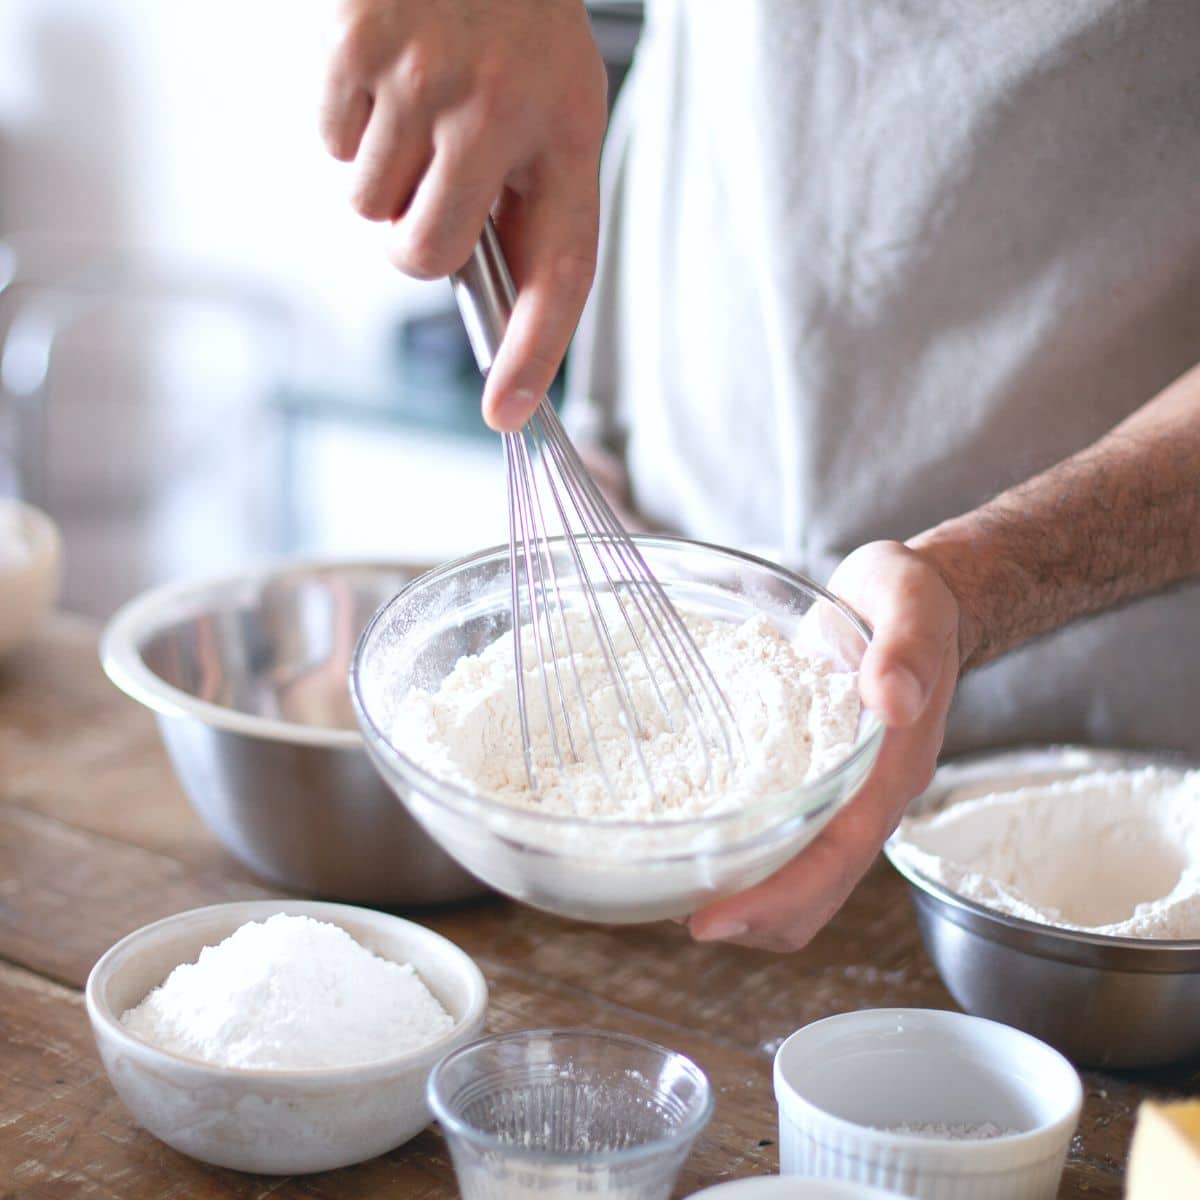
x,y
907,677
453,108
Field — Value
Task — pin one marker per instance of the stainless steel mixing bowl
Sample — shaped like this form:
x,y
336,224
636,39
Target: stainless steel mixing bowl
x,y
247,676
1102,1001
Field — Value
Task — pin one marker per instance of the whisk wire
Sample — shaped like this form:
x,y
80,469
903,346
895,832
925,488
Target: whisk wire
x,y
543,546
554,452
590,534
543,561
510,447
640,579
612,660
551,454
539,612
608,543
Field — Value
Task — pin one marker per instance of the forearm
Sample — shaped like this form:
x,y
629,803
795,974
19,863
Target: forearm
x,y
1117,520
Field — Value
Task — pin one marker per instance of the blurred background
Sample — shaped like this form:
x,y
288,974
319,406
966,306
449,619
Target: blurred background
x,y
205,359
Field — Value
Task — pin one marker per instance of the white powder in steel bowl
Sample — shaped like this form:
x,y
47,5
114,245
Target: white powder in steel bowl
x,y
289,993
1109,852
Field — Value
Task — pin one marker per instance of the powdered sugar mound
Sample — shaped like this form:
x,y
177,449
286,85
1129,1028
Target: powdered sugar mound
x,y
289,992
796,715
1111,852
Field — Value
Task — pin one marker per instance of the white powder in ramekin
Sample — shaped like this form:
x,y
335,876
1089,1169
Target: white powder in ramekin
x,y
289,993
954,1131
1110,852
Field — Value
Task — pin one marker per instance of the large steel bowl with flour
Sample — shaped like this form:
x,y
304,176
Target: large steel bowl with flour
x,y
597,868
1113,1002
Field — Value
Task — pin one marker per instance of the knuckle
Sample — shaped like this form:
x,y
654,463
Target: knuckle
x,y
573,274
500,99
542,360
417,78
925,770
334,138
339,129
368,201
778,941
582,119
423,78
422,253
354,47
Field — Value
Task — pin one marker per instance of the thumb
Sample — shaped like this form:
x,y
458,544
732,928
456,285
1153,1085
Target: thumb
x,y
550,238
915,619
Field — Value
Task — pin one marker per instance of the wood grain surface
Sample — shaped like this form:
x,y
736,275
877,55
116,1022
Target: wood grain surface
x,y
96,839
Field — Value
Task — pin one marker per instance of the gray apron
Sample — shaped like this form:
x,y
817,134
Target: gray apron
x,y
867,264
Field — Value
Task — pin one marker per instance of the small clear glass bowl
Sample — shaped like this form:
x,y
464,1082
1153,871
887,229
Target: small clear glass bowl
x,y
553,1112
615,871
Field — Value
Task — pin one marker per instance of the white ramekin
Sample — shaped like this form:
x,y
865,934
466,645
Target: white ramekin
x,y
276,1122
842,1083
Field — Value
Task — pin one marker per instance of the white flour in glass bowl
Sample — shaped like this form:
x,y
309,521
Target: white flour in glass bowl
x,y
795,715
711,824
1114,852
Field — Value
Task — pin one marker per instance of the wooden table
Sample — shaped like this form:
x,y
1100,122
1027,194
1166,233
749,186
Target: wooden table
x,y
96,839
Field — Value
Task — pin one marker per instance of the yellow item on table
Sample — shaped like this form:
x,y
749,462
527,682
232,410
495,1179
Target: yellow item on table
x,y
1164,1163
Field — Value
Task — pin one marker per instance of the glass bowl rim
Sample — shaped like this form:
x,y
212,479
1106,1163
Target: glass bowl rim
x,y
451,795
687,1131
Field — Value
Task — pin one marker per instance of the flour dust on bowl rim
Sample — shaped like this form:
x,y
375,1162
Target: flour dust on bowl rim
x,y
276,1121
554,1112
859,1094
616,871
1108,1002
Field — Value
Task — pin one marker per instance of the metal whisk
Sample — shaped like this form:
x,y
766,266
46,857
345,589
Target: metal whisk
x,y
582,561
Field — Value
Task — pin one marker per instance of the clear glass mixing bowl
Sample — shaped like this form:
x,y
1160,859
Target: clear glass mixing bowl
x,y
617,871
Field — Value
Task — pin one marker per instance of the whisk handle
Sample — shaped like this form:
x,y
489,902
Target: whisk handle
x,y
484,290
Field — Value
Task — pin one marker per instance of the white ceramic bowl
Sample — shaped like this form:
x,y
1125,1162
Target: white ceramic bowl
x,y
275,1121
791,1187
843,1083
30,568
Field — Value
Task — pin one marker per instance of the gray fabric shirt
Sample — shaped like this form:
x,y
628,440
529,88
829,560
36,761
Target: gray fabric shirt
x,y
867,264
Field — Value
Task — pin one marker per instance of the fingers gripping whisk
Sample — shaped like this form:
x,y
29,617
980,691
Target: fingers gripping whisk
x,y
581,589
